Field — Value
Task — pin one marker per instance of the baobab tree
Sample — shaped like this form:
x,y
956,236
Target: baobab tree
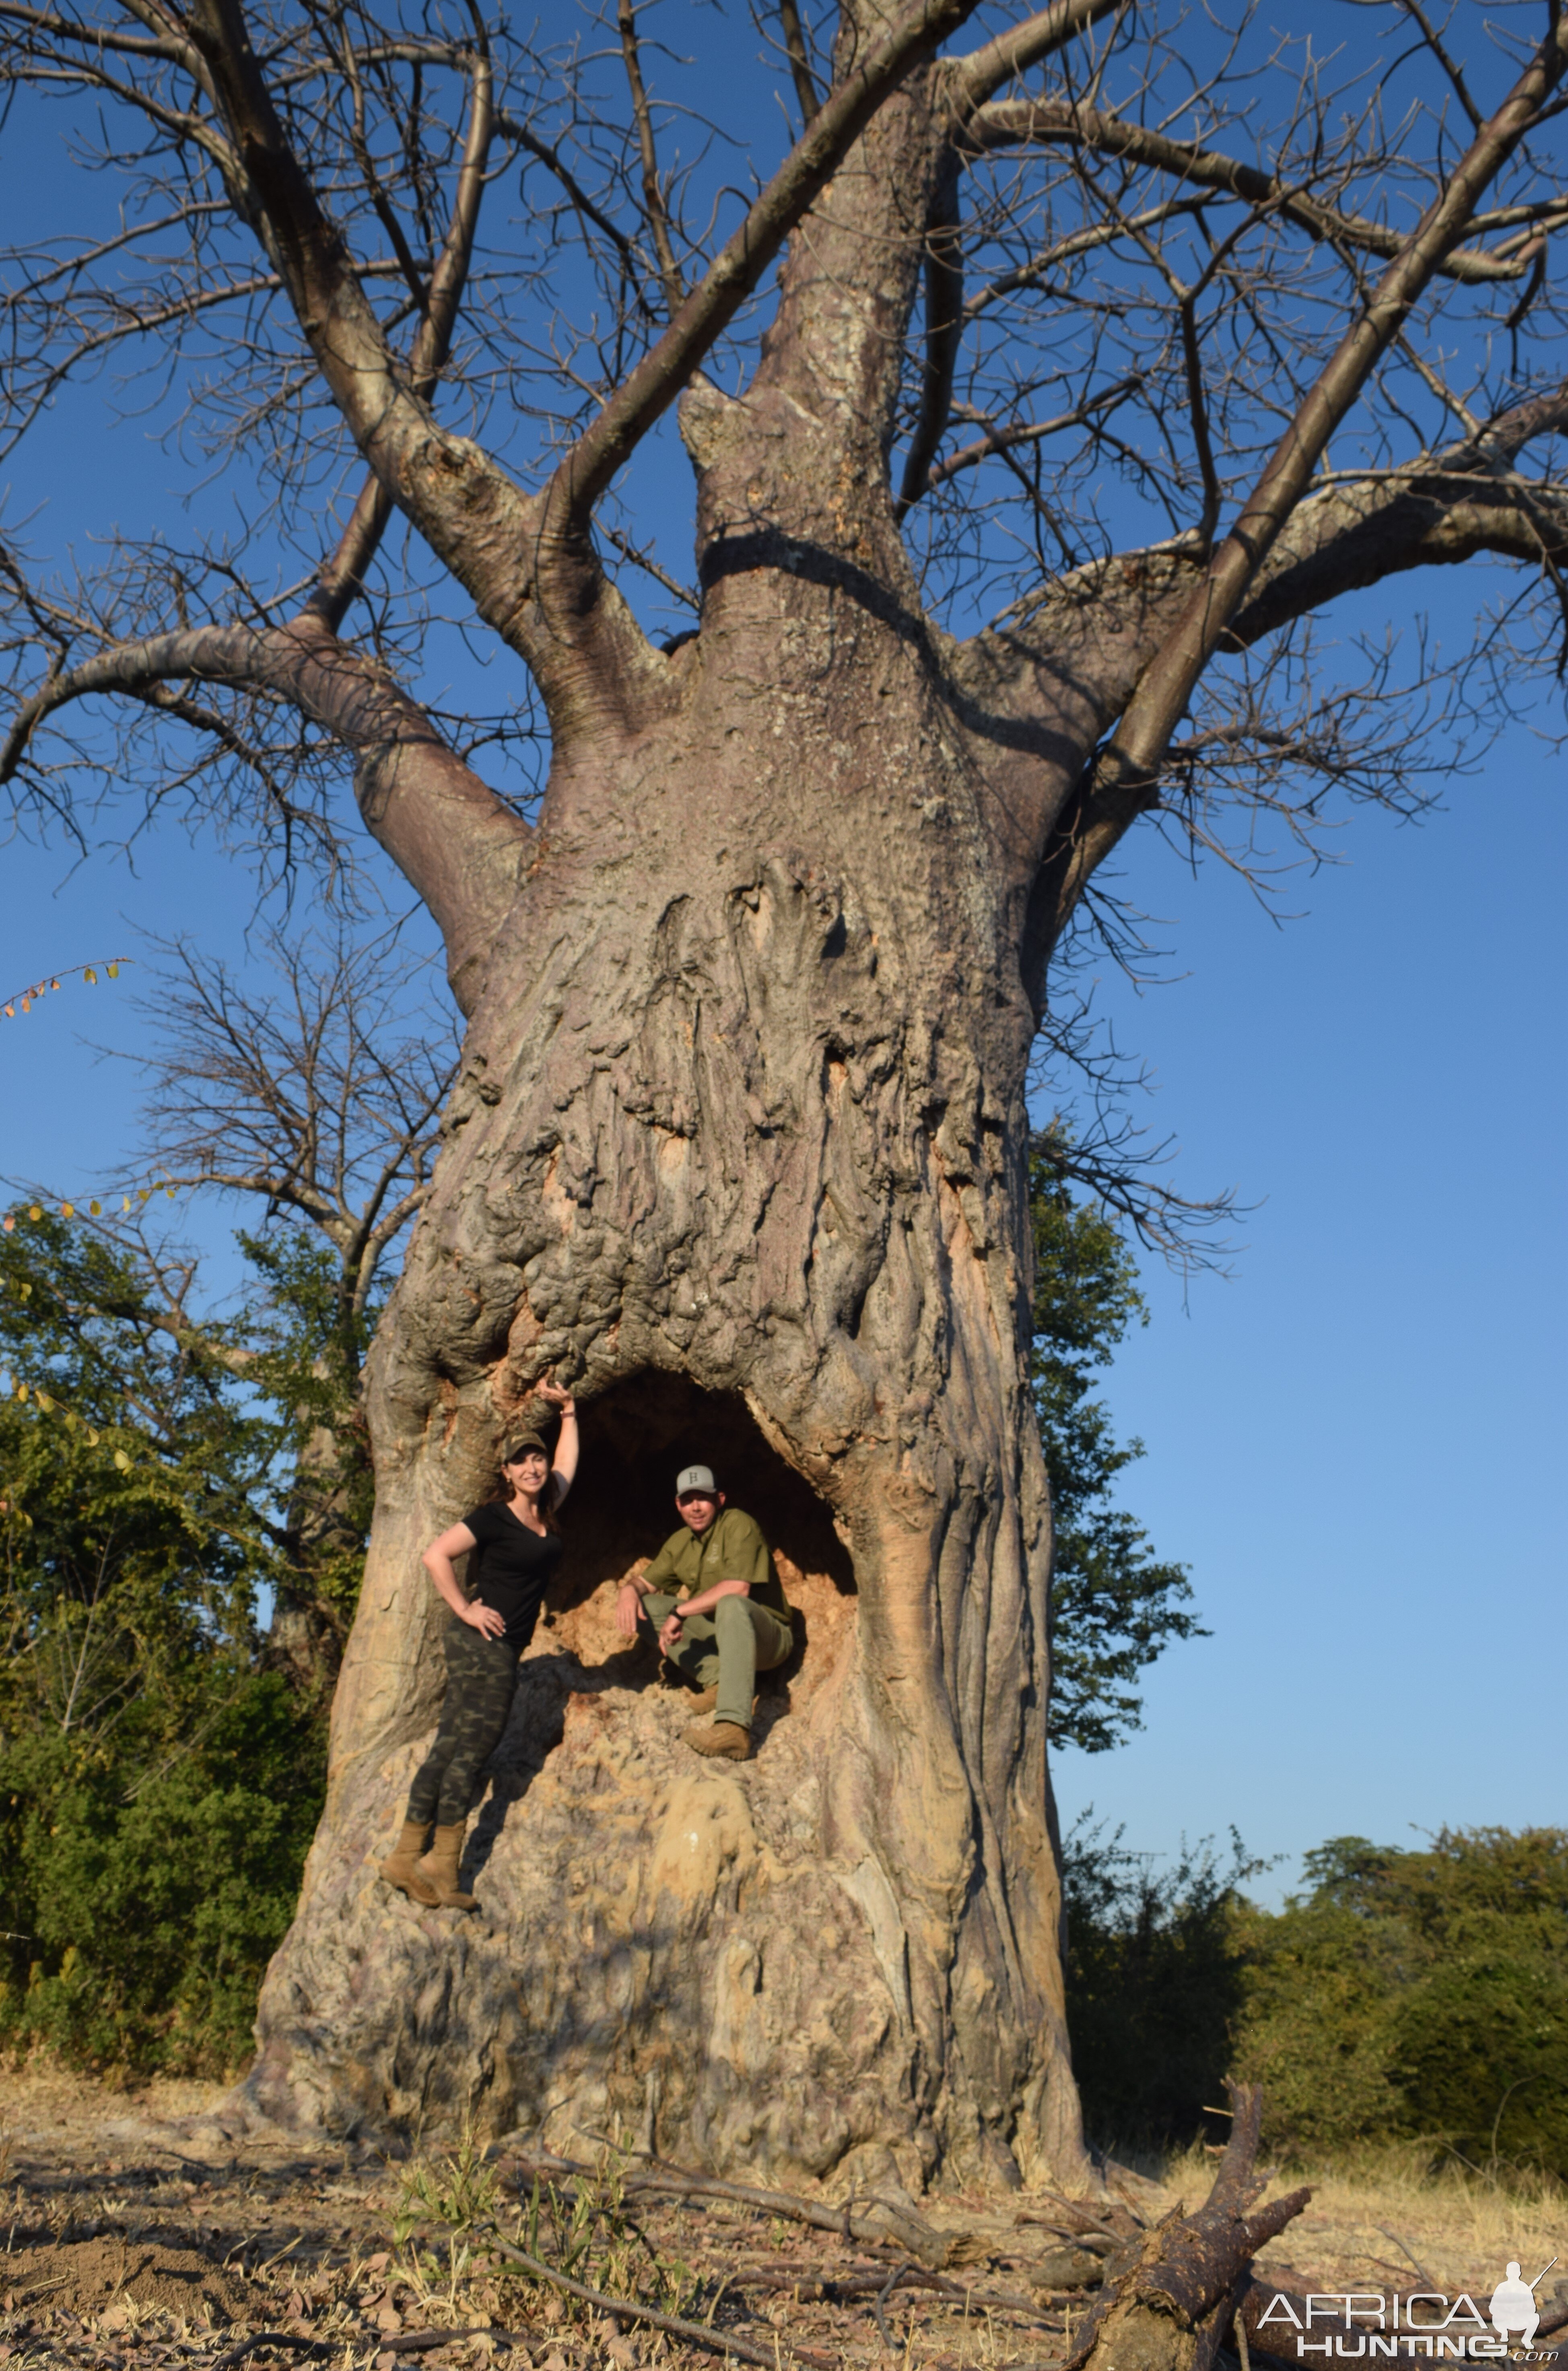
x,y
1036,398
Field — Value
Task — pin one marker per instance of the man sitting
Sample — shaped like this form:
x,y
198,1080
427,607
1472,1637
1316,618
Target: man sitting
x,y
715,1603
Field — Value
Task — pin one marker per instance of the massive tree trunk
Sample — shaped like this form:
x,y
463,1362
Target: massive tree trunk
x,y
738,1145
741,1109
739,1150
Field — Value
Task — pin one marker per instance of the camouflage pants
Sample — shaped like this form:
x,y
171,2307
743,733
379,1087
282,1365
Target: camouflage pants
x,y
482,1679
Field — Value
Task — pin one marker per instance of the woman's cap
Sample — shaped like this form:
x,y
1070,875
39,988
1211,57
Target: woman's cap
x,y
521,1446
695,1477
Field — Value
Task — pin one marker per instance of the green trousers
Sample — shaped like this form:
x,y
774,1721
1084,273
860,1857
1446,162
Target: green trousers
x,y
726,1648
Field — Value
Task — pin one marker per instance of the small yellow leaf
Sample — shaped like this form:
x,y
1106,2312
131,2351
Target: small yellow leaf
x,y
125,1201
92,1437
21,1391
95,1207
26,1290
144,1193
35,1212
122,1461
114,971
67,1209
90,976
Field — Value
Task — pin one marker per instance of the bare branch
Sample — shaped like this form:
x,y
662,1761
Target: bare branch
x,y
1004,440
806,93
1123,782
653,192
342,576
944,337
1430,35
449,834
319,1099
1015,122
654,386
1023,46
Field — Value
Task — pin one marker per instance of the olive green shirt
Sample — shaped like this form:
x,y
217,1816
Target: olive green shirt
x,y
731,1548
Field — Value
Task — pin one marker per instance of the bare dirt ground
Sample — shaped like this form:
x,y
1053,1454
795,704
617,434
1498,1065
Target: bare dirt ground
x,y
138,2237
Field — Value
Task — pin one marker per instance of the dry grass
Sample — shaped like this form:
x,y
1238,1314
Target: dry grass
x,y
118,2216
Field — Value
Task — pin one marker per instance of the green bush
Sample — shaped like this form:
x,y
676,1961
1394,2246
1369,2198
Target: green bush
x,y
1115,1606
1154,1986
150,1910
158,1786
1418,1997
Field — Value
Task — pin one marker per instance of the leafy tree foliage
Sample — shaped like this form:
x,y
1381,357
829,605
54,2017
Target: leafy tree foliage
x,y
1154,1984
1418,1994
158,1785
1115,1607
1404,1997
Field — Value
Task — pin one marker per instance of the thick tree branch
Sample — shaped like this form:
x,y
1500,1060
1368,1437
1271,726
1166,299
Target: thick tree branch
x,y
1062,121
476,521
1436,511
1022,46
1123,780
343,575
944,336
446,831
658,378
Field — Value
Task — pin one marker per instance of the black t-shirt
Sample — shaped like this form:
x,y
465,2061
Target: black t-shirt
x,y
510,1568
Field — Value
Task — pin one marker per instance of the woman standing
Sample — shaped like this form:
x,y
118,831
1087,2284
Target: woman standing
x,y
514,1549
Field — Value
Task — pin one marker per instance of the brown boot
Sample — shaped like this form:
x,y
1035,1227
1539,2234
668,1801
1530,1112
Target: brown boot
x,y
726,1739
403,1871
439,1869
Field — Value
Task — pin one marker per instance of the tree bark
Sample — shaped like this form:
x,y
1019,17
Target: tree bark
x,y
741,1109
738,1145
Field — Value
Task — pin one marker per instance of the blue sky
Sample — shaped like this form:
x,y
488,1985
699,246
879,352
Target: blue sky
x,y
1353,1440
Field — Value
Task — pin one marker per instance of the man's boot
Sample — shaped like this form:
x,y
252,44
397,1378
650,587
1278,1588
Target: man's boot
x,y
726,1741
706,1698
439,1869
403,1868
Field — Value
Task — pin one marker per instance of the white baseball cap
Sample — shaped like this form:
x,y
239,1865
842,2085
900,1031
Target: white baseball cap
x,y
695,1477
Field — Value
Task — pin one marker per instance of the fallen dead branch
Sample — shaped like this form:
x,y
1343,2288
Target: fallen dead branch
x,y
626,2309
281,2338
842,2287
875,2219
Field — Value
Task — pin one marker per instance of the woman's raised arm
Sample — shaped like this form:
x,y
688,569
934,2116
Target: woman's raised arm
x,y
565,1468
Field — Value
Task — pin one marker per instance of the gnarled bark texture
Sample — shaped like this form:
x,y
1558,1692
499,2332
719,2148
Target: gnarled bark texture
x,y
742,1105
738,1144
742,1110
